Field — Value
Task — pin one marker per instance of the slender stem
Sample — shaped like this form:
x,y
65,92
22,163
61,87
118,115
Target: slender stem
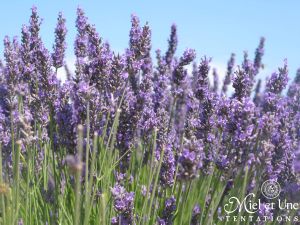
x,y
2,183
78,175
87,151
16,180
243,192
155,182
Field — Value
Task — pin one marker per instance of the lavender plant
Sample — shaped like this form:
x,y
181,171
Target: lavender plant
x,y
127,139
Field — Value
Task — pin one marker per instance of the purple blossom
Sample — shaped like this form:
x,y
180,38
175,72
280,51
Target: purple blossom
x,y
123,205
80,45
242,84
27,55
168,212
60,44
168,167
138,55
196,215
172,45
236,118
34,27
85,96
215,87
63,117
135,34
257,94
4,129
180,90
148,119
100,60
259,52
265,212
117,78
190,159
230,66
188,56
278,81
202,81
126,131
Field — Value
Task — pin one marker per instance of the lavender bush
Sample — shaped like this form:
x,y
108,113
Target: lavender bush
x,y
131,139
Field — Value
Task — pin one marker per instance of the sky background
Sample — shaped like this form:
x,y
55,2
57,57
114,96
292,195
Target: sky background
x,y
212,28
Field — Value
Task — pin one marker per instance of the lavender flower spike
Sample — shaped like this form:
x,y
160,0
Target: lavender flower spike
x,y
227,79
60,44
123,205
258,55
35,23
278,82
168,212
196,215
215,87
135,34
80,45
242,84
188,56
172,45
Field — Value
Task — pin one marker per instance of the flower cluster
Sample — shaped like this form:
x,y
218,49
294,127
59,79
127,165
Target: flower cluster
x,y
156,111
123,204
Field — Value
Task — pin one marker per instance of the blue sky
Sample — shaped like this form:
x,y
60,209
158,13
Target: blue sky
x,y
213,28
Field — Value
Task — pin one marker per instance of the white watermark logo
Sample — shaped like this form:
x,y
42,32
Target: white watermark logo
x,y
253,206
270,189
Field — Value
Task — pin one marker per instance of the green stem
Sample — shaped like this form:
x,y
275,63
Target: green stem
x,y
155,183
87,151
16,180
78,175
2,195
243,192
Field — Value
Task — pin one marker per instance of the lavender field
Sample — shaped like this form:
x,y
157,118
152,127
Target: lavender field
x,y
137,138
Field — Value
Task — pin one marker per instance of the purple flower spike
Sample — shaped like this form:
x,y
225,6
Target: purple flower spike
x,y
188,56
80,45
60,43
196,215
168,167
135,34
259,54
34,28
168,212
190,159
123,205
215,87
278,81
172,45
242,84
230,66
